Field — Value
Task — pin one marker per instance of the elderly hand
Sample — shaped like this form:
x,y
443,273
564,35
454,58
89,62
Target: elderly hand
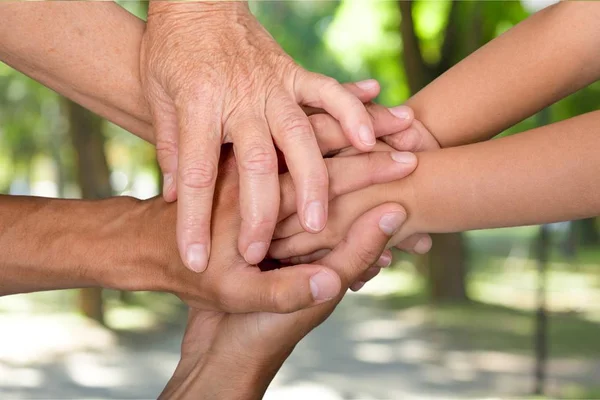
x,y
211,75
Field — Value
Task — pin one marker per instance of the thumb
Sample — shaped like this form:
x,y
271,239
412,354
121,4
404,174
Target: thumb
x,y
283,290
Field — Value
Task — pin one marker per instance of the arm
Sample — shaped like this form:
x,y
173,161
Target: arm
x,y
58,244
87,51
545,175
543,59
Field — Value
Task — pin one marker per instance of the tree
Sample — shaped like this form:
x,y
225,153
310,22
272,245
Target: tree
x,y
93,175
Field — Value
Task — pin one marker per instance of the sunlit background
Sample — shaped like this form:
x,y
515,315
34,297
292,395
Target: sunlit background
x,y
460,323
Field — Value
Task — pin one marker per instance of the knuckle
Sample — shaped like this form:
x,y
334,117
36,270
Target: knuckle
x,y
281,301
365,257
296,127
259,160
317,178
320,122
199,175
328,83
258,222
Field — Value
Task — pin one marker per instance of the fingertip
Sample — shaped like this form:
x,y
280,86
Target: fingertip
x,y
256,252
196,257
385,260
403,113
325,285
366,136
423,245
169,188
315,216
404,157
390,222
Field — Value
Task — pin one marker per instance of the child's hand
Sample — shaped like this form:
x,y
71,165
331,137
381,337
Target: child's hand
x,y
295,245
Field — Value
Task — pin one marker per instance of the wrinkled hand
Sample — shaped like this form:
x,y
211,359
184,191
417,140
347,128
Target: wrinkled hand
x,y
235,356
212,75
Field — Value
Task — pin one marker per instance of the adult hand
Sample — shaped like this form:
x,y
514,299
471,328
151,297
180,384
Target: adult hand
x,y
235,285
212,75
235,356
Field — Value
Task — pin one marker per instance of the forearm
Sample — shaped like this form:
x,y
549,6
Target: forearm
x,y
545,175
545,58
220,379
86,51
52,244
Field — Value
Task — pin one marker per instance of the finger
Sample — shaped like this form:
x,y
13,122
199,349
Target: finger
x,y
295,138
416,138
365,91
419,243
316,90
307,259
364,278
259,185
385,260
282,290
198,166
164,120
386,121
347,174
365,241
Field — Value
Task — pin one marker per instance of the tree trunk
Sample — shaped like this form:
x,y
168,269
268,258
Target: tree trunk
x,y
418,73
447,268
93,176
446,263
587,232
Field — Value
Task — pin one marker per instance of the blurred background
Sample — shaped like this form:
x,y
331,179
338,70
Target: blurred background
x,y
499,313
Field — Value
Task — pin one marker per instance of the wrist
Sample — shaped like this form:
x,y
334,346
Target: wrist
x,y
197,9
222,376
134,256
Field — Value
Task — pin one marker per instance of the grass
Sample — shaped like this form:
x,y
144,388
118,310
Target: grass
x,y
502,284
479,326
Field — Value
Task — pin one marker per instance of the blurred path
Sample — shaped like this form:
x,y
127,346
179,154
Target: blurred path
x,y
361,352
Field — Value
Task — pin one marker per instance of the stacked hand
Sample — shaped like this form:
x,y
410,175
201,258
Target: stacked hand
x,y
241,352
213,75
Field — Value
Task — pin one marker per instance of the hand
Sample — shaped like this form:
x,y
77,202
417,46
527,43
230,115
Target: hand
x,y
235,356
236,286
414,138
295,246
213,75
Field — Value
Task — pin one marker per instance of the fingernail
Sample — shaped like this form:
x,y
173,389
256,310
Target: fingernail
x,y
167,183
255,253
400,112
384,261
315,216
391,222
366,135
367,84
357,286
197,257
403,157
323,286
423,246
